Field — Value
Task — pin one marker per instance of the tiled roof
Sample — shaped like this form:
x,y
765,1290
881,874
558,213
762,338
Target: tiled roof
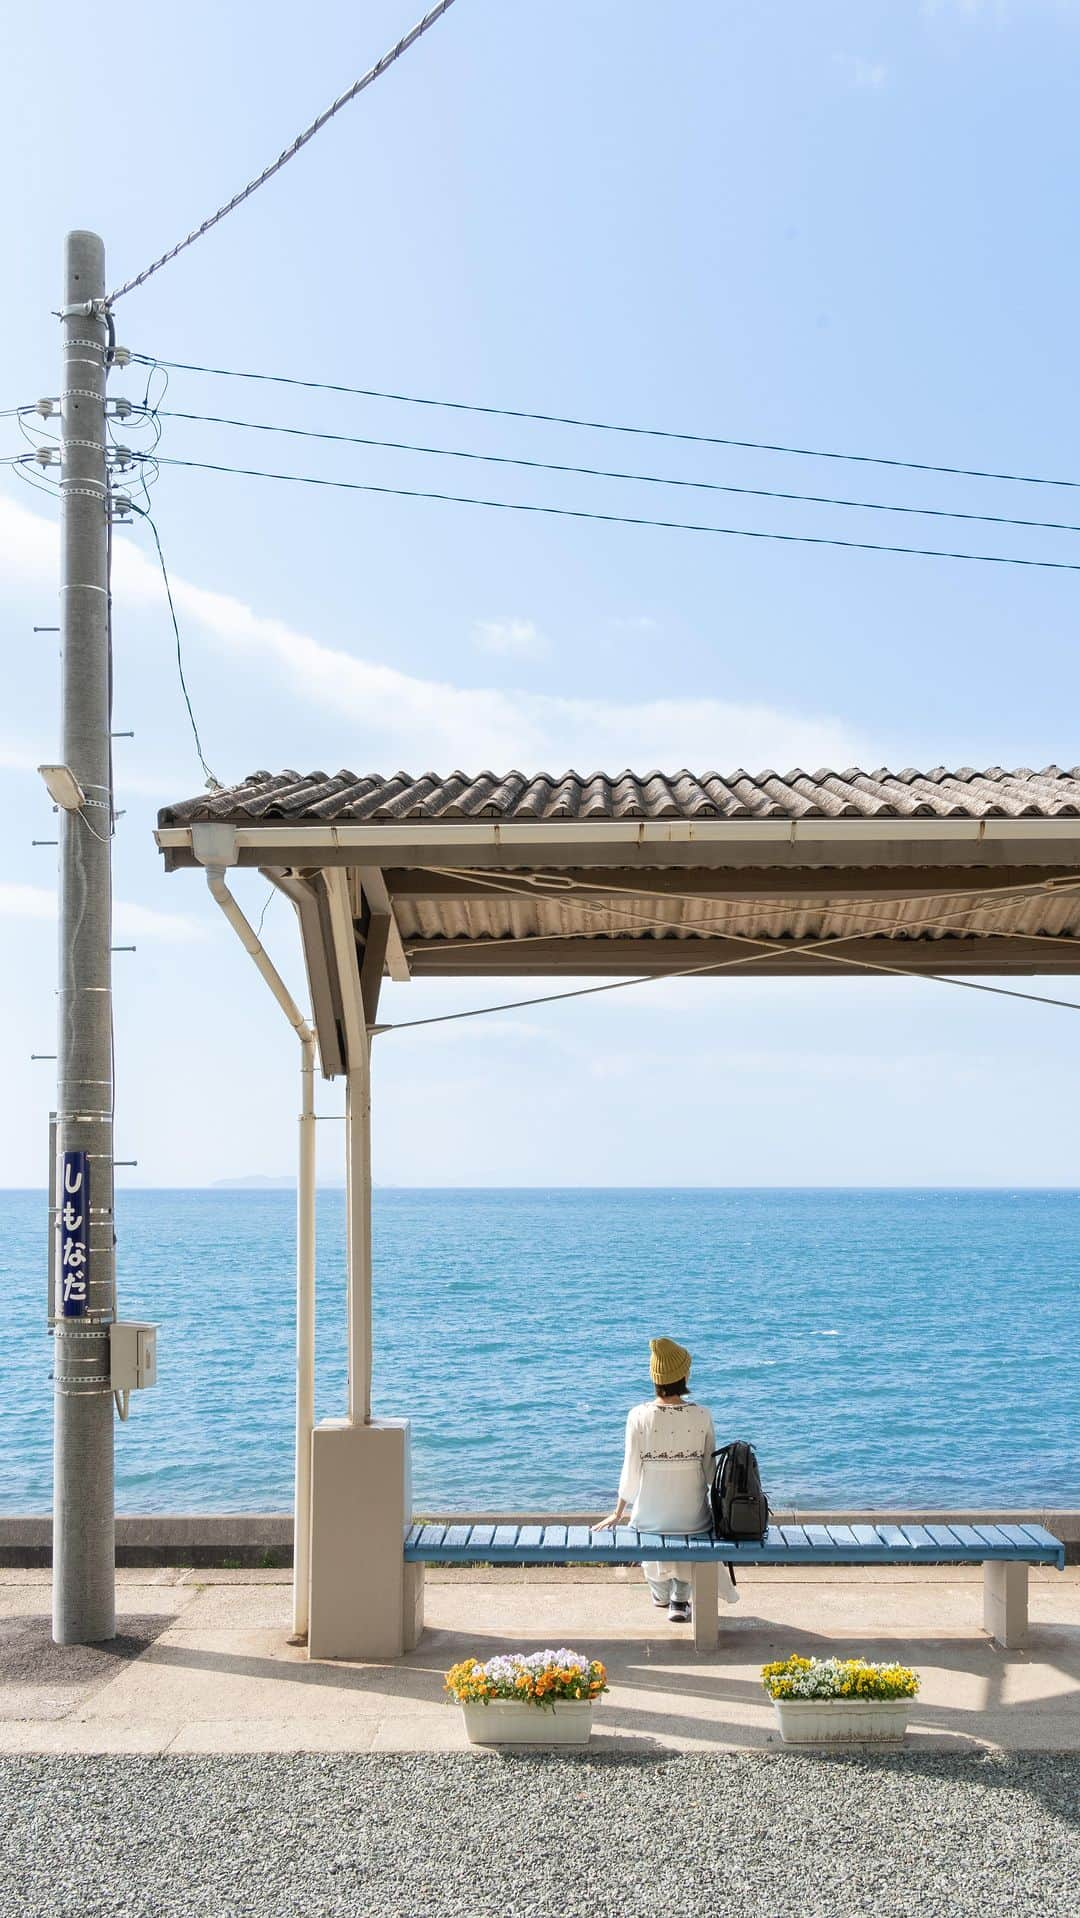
x,y
318,797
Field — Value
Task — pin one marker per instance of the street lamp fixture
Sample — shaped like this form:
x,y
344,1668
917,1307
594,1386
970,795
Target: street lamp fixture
x,y
64,789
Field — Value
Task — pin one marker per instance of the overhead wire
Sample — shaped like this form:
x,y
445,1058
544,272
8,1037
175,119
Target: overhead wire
x,y
144,513
624,519
605,426
289,153
615,473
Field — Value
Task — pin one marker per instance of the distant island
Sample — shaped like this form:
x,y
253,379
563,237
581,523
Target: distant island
x,y
260,1182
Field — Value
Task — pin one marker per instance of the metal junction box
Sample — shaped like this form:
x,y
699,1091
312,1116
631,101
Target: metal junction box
x,y
133,1355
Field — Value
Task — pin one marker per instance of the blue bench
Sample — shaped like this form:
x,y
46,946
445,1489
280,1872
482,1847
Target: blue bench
x,y
1004,1551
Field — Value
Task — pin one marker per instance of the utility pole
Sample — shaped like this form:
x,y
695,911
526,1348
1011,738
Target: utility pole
x,y
84,1594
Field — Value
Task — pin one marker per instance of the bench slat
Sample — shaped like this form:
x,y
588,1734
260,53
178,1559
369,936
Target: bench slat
x,y
482,1535
531,1535
412,1536
793,1535
1038,1535
994,1536
842,1535
555,1537
505,1535
818,1536
458,1535
944,1535
1016,1534
866,1535
894,1538
968,1536
653,1543
625,1538
918,1536
580,1537
431,1535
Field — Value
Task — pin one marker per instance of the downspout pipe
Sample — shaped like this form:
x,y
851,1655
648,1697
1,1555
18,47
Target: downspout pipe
x,y
305,1245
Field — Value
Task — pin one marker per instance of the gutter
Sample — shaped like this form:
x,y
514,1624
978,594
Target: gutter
x,y
665,832
382,841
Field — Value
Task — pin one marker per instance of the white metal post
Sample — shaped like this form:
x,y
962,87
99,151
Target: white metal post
x,y
84,1595
358,1206
357,1148
305,1341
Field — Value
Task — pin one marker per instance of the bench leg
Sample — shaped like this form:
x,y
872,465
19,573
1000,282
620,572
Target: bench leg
x,y
705,1580
1005,1602
413,1626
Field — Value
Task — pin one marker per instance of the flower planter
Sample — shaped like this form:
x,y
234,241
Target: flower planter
x,y
842,1721
505,1721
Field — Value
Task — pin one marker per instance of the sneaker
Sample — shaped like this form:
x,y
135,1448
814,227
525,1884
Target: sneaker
x,y
678,1612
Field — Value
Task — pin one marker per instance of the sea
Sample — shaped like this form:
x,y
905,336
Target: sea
x,y
877,1347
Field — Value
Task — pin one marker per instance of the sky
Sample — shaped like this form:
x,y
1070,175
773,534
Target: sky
x,y
848,226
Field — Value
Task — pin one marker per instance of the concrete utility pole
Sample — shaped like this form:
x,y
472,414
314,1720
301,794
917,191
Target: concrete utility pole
x,y
84,1596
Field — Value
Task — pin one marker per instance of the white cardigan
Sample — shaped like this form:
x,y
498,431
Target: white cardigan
x,y
668,1464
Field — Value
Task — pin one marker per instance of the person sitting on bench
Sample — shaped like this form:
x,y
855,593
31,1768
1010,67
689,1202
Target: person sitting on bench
x,y
665,1476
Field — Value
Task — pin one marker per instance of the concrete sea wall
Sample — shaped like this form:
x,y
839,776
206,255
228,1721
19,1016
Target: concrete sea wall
x,y
245,1539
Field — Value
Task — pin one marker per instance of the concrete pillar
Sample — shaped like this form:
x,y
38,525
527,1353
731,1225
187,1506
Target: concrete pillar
x,y
1005,1602
705,1581
366,1603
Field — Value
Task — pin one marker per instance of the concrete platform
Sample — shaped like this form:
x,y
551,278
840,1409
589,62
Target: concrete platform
x,y
203,1663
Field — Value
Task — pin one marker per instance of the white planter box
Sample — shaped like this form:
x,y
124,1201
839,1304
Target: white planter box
x,y
842,1721
505,1721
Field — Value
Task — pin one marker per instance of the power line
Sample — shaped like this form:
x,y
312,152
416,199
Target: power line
x,y
614,473
143,512
624,519
374,73
603,426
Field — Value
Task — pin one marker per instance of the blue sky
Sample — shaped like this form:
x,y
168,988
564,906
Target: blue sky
x,y
838,225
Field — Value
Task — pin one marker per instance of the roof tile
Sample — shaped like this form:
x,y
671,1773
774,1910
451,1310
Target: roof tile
x,y
317,797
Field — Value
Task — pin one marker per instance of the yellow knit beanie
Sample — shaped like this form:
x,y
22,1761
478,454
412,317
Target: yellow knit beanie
x,y
669,1362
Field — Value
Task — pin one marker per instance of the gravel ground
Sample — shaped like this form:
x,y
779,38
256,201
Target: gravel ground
x,y
609,1836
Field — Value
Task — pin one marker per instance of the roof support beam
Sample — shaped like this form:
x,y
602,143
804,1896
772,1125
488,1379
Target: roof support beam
x,y
378,895
659,958
306,901
717,882
371,966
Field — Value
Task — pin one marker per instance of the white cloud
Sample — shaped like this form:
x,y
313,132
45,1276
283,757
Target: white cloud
x,y
39,902
16,759
510,638
868,76
20,759
377,710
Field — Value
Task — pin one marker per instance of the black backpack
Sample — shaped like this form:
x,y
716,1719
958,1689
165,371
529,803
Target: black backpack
x,y
737,1503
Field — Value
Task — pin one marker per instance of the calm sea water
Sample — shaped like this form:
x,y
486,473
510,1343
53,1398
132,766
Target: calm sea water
x,y
877,1347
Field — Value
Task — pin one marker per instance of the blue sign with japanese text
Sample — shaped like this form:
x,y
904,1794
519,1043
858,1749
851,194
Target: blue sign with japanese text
x,y
74,1228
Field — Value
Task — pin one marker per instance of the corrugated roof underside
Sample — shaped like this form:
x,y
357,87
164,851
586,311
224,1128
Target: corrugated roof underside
x,y
317,797
631,916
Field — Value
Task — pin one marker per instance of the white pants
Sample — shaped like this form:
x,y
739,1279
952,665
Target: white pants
x,y
667,1583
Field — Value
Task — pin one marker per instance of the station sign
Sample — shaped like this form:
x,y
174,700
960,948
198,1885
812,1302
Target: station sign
x,y
73,1224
